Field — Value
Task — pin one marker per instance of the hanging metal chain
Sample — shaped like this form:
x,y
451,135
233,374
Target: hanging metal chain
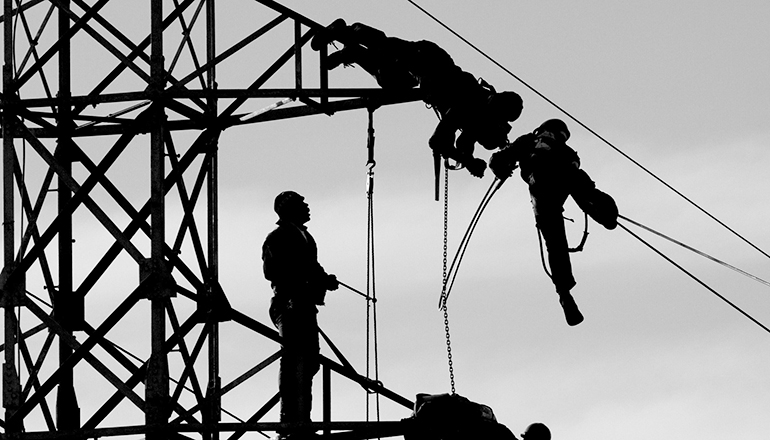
x,y
449,351
446,235
444,282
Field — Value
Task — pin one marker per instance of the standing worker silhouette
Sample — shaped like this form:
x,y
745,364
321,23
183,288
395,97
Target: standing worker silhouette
x,y
290,263
552,171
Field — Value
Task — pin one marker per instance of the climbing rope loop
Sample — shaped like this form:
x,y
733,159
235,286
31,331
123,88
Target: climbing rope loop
x,y
449,273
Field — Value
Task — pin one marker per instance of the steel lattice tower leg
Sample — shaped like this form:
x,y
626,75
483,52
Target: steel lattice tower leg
x,y
12,287
150,90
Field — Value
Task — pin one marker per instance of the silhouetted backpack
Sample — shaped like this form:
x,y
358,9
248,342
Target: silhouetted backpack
x,y
453,417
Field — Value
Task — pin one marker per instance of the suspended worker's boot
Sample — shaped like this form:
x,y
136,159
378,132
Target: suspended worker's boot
x,y
571,312
327,34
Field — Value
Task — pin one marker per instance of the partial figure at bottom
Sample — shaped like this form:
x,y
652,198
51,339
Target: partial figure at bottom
x,y
454,417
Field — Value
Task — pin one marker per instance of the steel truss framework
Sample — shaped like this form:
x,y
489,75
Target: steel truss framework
x,y
162,88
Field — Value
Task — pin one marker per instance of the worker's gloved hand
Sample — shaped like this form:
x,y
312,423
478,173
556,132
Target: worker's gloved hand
x,y
501,166
332,283
476,166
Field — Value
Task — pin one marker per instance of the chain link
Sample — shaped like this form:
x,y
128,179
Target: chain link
x,y
444,282
449,351
446,241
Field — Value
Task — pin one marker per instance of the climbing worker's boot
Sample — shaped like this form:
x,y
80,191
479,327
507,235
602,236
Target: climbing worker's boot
x,y
571,312
344,56
327,34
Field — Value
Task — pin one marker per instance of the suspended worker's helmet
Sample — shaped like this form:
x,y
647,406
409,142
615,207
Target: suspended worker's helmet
x,y
537,431
284,200
556,127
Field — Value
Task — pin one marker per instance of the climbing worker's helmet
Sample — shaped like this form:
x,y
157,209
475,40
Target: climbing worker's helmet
x,y
537,431
507,104
556,127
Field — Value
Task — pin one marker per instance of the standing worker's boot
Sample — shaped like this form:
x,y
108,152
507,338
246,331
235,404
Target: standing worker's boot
x,y
571,312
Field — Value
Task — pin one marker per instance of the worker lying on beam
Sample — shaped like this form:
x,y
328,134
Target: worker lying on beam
x,y
454,417
463,103
552,171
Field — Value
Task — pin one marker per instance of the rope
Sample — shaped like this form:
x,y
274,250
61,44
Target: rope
x,y
354,290
728,302
584,238
702,254
371,296
455,267
451,272
587,128
542,253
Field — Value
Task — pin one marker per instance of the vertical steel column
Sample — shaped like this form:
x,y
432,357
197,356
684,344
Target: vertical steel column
x,y
213,400
66,309
7,136
157,384
297,55
324,81
11,286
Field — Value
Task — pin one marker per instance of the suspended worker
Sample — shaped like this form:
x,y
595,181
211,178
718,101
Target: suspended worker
x,y
463,103
552,170
290,263
454,417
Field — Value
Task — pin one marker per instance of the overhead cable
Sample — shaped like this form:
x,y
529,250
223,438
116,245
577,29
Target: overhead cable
x,y
597,135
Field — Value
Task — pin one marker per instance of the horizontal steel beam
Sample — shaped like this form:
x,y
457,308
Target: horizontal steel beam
x,y
346,430
86,100
364,98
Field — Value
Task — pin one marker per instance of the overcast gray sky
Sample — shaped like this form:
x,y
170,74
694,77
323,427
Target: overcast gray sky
x,y
680,86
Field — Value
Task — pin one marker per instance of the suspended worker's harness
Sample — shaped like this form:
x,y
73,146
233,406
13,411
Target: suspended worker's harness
x,y
578,248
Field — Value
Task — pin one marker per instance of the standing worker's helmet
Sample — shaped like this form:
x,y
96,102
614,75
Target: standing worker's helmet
x,y
284,199
557,127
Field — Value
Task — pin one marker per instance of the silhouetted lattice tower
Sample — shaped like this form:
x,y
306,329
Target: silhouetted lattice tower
x,y
86,85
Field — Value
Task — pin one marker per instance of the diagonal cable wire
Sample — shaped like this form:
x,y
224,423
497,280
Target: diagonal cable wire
x,y
692,249
685,271
587,128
